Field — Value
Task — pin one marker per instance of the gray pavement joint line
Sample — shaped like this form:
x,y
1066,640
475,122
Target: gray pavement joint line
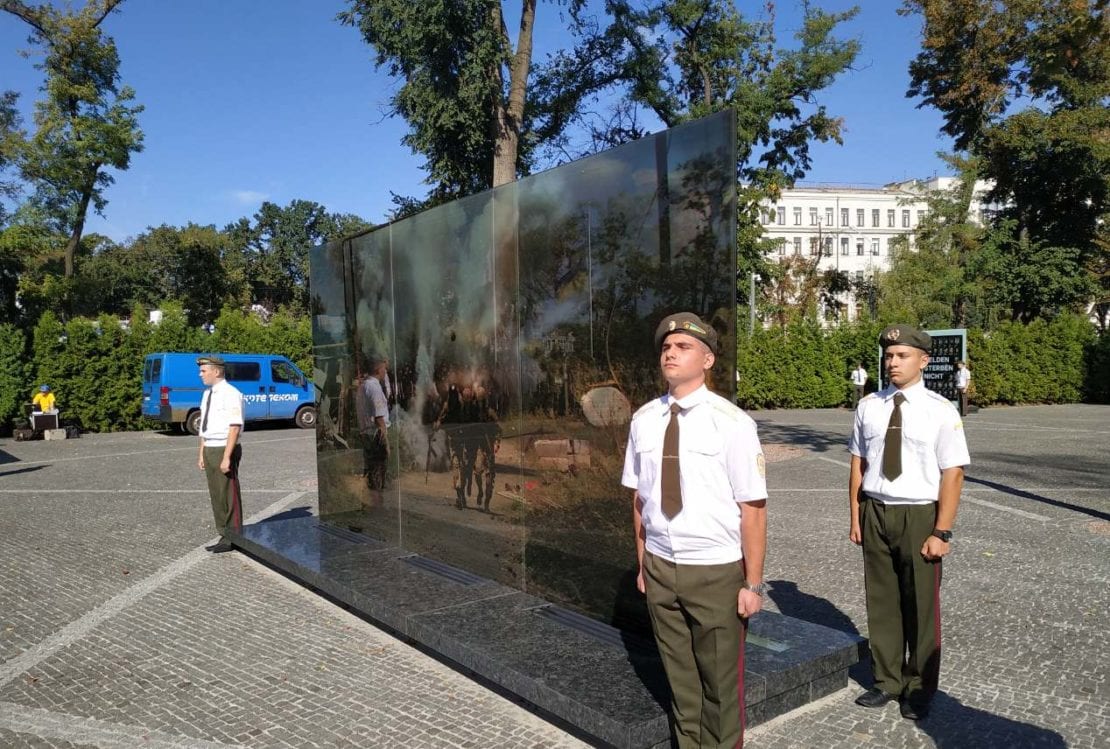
x,y
36,490
80,627
193,447
965,498
45,724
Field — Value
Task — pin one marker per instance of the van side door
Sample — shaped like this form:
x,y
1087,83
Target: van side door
x,y
246,376
287,389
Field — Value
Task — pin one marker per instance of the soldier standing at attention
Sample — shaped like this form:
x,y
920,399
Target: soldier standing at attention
x,y
963,382
908,457
699,512
221,421
859,384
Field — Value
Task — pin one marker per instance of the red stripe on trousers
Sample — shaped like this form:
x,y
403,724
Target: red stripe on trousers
x,y
236,503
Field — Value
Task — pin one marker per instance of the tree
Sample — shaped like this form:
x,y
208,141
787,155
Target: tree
x,y
464,87
1050,159
85,124
9,140
272,252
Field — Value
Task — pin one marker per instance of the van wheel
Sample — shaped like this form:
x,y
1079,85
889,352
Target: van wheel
x,y
192,422
306,418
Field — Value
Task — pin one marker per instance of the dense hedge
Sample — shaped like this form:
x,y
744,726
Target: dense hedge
x,y
805,366
95,366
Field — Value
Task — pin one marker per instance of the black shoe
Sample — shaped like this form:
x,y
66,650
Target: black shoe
x,y
221,547
912,709
874,697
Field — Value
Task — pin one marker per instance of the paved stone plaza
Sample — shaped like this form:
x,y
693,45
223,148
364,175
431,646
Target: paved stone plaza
x,y
118,630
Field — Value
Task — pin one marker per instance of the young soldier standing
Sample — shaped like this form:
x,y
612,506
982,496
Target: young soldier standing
x,y
908,457
221,421
700,519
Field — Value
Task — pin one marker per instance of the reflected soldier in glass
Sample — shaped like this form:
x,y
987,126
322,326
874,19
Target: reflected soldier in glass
x,y
452,418
486,440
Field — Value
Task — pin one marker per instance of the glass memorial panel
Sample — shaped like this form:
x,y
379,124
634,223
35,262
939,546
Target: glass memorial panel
x,y
518,325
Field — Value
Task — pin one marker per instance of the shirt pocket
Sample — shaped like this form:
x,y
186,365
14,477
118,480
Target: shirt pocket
x,y
921,441
648,452
703,463
873,439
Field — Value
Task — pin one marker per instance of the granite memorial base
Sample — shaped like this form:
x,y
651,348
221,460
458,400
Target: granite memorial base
x,y
605,684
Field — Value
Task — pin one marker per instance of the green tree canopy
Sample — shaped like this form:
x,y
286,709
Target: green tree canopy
x,y
85,124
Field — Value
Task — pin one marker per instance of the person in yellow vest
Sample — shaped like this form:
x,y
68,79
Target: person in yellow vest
x,y
44,400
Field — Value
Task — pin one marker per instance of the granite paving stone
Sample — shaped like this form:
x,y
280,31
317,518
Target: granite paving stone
x,y
222,651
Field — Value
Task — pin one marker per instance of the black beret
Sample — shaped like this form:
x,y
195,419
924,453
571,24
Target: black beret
x,y
215,361
691,325
905,335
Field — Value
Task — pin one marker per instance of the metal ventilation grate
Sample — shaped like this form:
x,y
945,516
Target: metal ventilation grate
x,y
346,535
445,570
598,630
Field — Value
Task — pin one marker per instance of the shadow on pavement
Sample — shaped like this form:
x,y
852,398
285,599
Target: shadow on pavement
x,y
811,439
295,512
1038,498
7,457
953,724
28,469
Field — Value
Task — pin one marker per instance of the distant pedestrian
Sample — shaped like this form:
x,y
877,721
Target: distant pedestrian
x,y
859,384
908,457
699,510
963,382
221,423
44,400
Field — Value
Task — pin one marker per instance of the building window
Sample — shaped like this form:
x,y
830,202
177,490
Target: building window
x,y
875,217
905,219
828,246
843,216
797,217
874,247
843,245
859,217
920,217
813,217
782,247
769,216
828,217
859,277
890,218
859,246
782,215
813,246
798,242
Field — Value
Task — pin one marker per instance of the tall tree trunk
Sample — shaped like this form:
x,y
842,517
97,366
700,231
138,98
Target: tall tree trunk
x,y
79,221
507,116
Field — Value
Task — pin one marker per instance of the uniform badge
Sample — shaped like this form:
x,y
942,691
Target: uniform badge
x,y
894,334
761,465
671,325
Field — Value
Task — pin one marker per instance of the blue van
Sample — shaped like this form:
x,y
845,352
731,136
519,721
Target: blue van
x,y
272,388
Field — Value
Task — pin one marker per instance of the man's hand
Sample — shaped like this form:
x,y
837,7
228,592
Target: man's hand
x,y
640,581
855,535
200,462
934,549
225,465
748,603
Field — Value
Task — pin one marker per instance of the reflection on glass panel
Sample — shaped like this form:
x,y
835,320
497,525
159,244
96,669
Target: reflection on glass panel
x,y
518,327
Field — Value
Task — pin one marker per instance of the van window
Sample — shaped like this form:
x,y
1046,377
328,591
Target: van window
x,y
155,371
243,371
282,372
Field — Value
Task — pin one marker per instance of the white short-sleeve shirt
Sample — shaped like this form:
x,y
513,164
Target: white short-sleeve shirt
x,y
224,403
932,440
720,464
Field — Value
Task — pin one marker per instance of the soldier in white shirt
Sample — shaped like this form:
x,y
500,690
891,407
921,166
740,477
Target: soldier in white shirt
x,y
859,384
700,518
907,470
221,422
963,381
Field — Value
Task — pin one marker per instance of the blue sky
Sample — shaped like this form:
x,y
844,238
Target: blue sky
x,y
252,100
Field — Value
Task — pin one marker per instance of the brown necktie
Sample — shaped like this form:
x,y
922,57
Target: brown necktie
x,y
892,446
207,408
670,484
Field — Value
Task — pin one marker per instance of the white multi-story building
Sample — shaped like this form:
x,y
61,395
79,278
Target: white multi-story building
x,y
850,229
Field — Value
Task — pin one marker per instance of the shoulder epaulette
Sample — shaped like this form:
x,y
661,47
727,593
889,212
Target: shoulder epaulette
x,y
645,408
730,410
866,397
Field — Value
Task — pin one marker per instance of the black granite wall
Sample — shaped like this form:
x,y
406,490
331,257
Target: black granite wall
x,y
518,327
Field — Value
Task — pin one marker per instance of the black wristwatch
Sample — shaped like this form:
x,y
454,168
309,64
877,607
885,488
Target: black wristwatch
x,y
945,536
